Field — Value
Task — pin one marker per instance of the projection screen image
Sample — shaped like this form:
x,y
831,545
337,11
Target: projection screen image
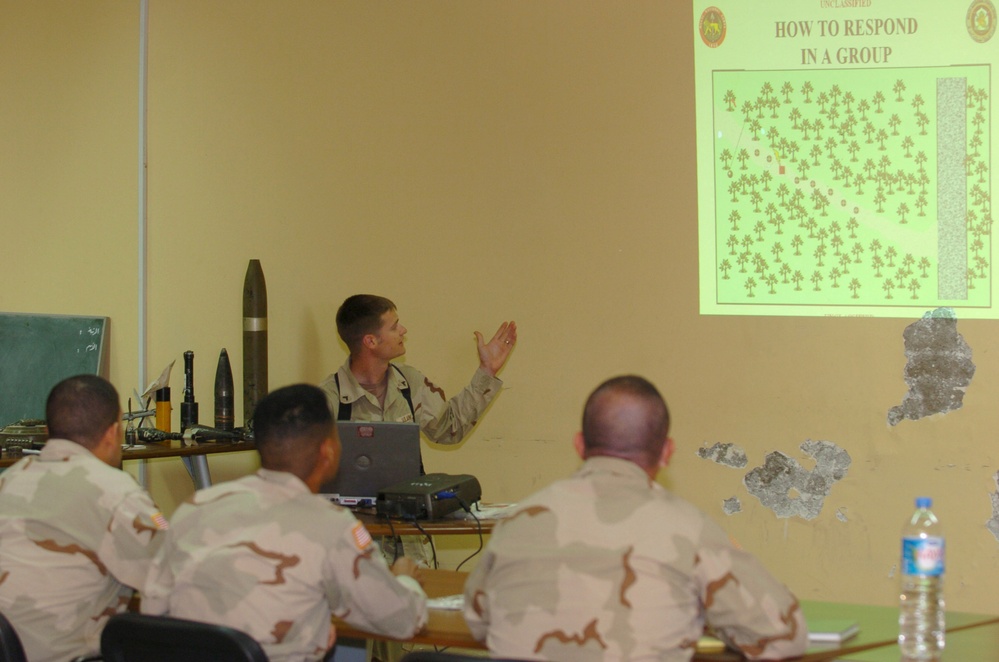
x,y
845,157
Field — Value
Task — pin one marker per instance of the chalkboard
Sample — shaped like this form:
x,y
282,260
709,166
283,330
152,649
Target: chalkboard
x,y
38,351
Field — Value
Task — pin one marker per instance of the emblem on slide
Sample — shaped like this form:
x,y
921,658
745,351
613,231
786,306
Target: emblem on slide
x,y
712,27
981,20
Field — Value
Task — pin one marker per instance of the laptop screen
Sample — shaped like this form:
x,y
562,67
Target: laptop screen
x,y
375,454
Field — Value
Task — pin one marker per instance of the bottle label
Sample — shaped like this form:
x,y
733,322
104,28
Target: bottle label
x,y
923,556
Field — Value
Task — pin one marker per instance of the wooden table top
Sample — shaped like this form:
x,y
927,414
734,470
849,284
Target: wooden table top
x,y
878,628
444,627
178,449
974,642
878,631
153,450
381,526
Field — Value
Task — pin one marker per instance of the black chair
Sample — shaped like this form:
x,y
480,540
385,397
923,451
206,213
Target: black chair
x,y
144,638
432,656
11,649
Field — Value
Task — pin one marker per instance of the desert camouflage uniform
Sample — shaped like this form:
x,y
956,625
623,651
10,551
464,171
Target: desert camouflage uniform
x,y
75,534
441,420
264,555
609,565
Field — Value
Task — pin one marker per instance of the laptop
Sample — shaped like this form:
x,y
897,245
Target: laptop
x,y
375,454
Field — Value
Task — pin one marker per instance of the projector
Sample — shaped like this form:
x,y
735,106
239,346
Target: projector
x,y
428,497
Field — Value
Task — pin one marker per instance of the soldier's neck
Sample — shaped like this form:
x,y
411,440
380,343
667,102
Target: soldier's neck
x,y
369,370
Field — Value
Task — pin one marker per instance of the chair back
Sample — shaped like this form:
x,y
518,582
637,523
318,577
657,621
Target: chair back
x,y
143,638
432,656
11,649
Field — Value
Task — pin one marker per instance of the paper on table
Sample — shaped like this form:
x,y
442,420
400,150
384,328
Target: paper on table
x,y
485,511
447,602
708,644
831,630
457,602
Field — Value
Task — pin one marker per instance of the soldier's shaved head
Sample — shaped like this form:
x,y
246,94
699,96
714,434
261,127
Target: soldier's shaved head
x,y
627,418
81,409
289,426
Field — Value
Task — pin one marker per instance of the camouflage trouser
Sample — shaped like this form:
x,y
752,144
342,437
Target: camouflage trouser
x,y
393,547
415,547
385,651
366,650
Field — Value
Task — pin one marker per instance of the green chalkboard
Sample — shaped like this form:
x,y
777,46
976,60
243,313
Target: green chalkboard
x,y
38,351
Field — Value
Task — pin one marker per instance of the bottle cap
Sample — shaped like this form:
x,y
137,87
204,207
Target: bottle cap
x,y
923,502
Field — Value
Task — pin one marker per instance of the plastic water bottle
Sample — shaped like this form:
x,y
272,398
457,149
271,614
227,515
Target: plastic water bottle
x,y
921,603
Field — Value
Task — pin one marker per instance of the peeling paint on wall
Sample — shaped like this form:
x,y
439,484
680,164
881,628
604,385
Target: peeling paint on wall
x,y
730,455
732,505
789,489
938,370
993,524
840,515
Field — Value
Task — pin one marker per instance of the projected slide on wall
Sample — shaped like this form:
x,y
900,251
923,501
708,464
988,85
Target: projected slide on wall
x,y
845,157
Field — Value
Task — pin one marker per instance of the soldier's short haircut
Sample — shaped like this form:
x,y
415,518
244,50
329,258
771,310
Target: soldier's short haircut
x,y
360,315
626,417
289,426
81,409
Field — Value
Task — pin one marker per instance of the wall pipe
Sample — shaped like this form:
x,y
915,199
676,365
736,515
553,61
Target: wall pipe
x,y
142,247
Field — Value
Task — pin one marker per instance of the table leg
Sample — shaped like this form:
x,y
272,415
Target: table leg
x,y
197,466
349,649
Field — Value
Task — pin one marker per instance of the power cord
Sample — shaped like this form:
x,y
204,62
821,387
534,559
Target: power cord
x,y
445,494
396,541
433,547
478,522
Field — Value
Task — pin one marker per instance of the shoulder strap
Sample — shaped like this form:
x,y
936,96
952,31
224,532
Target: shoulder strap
x,y
343,408
406,392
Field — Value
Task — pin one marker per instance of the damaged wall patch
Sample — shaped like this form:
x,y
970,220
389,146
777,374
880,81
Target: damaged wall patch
x,y
732,505
938,368
730,455
993,524
789,489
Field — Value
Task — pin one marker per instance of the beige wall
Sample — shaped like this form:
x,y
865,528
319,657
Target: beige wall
x,y
475,162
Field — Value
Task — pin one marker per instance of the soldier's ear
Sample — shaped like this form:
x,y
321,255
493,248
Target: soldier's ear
x,y
667,452
580,445
108,447
331,451
326,464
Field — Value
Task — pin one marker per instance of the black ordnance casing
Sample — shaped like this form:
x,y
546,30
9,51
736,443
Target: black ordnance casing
x,y
225,417
254,339
189,407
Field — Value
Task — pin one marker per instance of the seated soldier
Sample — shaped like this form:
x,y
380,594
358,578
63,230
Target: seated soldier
x,y
264,554
77,534
609,565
